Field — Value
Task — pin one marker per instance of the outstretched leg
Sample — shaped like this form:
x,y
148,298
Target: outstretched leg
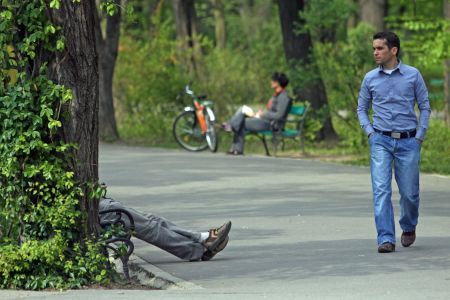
x,y
160,232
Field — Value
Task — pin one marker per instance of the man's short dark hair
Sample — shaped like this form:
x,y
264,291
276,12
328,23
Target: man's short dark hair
x,y
281,78
391,38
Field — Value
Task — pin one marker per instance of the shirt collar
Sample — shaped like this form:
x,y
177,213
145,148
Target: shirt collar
x,y
399,66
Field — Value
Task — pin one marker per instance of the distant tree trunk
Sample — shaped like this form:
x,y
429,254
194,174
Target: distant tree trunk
x,y
187,31
246,8
143,11
219,16
298,48
354,18
373,12
77,68
253,16
447,71
107,48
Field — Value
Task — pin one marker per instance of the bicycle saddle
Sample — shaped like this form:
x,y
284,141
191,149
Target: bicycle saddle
x,y
202,96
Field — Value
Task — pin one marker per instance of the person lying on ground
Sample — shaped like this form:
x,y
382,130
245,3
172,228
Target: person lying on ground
x,y
185,244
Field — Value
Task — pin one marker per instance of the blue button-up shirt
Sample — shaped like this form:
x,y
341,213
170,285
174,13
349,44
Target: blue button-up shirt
x,y
393,97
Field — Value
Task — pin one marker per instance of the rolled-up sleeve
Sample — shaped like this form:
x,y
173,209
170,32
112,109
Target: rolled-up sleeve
x,y
364,101
421,94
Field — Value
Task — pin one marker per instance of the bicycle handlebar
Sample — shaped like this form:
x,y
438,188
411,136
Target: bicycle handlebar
x,y
188,90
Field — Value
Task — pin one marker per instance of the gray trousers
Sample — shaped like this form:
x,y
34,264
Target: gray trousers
x,y
159,232
241,123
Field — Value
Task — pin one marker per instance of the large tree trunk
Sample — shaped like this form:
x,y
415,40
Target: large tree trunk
x,y
447,71
219,16
107,48
373,12
298,48
187,31
77,68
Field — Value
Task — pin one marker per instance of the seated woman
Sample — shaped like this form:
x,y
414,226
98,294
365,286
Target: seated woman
x,y
185,244
245,119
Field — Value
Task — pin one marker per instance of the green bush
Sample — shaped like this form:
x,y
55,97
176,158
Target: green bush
x,y
435,151
343,66
147,81
151,73
39,196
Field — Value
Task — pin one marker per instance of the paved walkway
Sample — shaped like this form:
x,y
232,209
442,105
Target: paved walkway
x,y
301,229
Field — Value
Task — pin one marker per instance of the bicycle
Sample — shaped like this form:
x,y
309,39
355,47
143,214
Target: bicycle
x,y
193,129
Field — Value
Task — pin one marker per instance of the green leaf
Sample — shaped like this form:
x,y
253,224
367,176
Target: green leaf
x,y
50,28
54,123
6,15
55,4
60,45
111,9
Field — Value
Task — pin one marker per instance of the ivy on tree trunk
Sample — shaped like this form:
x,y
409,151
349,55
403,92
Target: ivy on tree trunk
x,y
77,68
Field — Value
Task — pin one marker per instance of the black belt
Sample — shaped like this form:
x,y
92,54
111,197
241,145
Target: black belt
x,y
397,135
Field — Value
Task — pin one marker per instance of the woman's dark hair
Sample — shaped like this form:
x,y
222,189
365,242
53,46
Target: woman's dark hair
x,y
281,78
391,38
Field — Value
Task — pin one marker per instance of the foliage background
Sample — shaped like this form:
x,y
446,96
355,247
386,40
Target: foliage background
x,y
150,71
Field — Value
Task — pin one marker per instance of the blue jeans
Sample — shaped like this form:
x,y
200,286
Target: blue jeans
x,y
405,155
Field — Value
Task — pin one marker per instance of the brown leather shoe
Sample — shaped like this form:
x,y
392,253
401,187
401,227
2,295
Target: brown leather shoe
x,y
386,248
217,236
408,238
209,254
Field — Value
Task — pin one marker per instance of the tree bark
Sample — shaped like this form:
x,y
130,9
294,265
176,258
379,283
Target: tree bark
x,y
298,49
107,48
77,68
447,71
373,12
187,31
220,29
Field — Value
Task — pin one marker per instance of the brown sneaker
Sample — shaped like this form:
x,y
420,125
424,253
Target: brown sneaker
x,y
217,236
408,238
386,248
208,255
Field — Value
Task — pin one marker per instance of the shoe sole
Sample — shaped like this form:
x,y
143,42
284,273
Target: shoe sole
x,y
406,245
208,256
385,250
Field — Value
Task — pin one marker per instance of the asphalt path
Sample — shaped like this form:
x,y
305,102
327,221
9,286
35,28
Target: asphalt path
x,y
301,228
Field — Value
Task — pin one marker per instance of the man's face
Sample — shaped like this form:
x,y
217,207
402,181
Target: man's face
x,y
274,84
382,53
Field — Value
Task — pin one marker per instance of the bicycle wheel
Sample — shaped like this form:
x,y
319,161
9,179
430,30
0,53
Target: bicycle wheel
x,y
187,132
211,135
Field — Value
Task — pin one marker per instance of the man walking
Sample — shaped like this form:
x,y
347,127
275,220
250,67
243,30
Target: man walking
x,y
395,138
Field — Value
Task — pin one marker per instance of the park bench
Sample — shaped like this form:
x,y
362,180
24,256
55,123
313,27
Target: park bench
x,y
293,129
116,234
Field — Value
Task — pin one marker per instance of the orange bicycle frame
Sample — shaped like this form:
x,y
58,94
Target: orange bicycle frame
x,y
200,116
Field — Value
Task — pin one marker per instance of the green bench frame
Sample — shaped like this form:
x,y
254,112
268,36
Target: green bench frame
x,y
296,118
